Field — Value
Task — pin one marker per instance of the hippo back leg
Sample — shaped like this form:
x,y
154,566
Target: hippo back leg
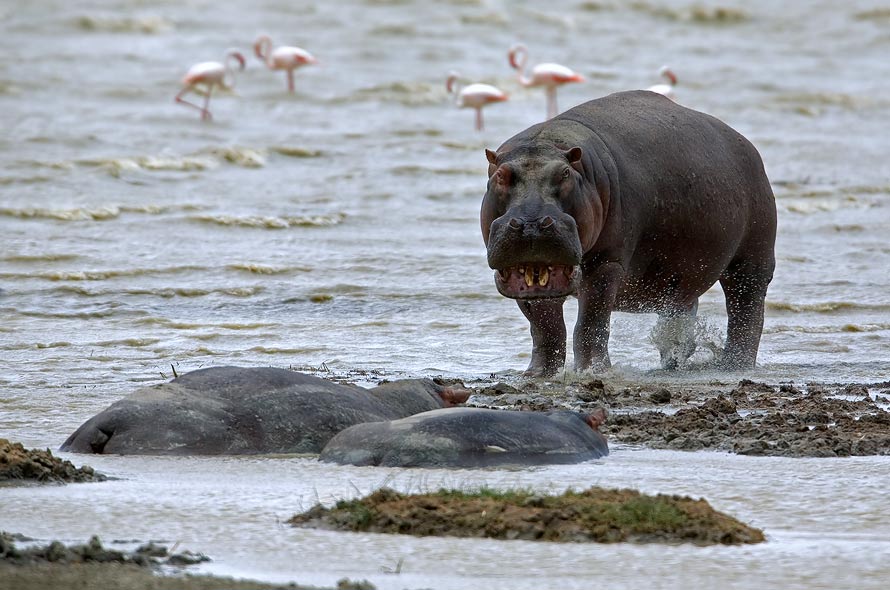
x,y
744,285
674,336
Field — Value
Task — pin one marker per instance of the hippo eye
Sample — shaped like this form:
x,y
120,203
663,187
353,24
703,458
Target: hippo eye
x,y
502,178
565,173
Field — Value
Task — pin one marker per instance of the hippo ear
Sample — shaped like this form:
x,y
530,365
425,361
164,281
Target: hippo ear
x,y
574,157
596,418
492,161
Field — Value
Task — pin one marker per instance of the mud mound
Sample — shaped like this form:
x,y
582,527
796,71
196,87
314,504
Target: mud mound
x,y
755,419
20,465
594,515
749,418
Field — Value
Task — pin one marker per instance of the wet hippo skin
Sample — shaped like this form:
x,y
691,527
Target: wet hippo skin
x,y
471,437
632,203
235,410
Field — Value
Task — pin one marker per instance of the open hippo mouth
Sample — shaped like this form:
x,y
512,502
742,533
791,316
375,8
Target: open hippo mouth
x,y
536,281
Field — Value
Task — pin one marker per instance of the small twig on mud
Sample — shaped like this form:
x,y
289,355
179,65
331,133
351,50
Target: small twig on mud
x,y
175,376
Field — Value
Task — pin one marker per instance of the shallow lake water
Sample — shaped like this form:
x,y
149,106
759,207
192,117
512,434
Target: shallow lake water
x,y
336,230
823,530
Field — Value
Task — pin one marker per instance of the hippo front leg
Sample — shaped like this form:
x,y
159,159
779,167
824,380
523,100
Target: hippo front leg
x,y
597,292
548,330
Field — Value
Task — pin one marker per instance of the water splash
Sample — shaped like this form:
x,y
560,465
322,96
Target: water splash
x,y
688,344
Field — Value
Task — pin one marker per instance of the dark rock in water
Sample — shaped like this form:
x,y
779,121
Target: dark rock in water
x,y
235,410
471,437
500,388
662,396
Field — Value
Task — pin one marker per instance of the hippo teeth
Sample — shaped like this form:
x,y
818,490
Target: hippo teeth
x,y
535,275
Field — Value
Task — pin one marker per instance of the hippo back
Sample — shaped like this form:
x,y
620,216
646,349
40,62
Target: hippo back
x,y
236,410
469,437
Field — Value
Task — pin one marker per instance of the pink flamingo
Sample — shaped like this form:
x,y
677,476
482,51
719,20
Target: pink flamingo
x,y
665,89
282,58
548,75
210,74
474,96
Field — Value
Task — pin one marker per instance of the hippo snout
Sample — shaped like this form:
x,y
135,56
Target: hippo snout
x,y
536,257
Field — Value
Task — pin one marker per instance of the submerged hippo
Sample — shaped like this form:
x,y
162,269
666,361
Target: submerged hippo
x,y
235,410
471,437
637,204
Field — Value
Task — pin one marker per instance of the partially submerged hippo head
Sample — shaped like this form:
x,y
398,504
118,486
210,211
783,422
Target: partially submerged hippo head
x,y
538,219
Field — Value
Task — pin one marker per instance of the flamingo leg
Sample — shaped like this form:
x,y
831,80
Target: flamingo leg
x,y
181,100
551,102
479,125
205,112
290,80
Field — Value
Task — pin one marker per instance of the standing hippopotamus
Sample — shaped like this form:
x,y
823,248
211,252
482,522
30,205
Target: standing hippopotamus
x,y
633,203
472,437
237,411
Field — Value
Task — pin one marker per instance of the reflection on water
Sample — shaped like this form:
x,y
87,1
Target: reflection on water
x,y
336,229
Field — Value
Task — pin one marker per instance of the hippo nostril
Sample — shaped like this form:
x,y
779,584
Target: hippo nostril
x,y
515,223
546,222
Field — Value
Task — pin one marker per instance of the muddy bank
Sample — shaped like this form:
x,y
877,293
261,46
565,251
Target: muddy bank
x,y
782,419
19,465
148,555
59,567
593,515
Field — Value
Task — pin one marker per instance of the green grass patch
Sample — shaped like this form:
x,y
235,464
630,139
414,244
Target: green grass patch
x,y
592,515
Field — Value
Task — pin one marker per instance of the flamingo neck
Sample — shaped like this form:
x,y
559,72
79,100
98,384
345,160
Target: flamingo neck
x,y
263,49
518,59
232,57
454,86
